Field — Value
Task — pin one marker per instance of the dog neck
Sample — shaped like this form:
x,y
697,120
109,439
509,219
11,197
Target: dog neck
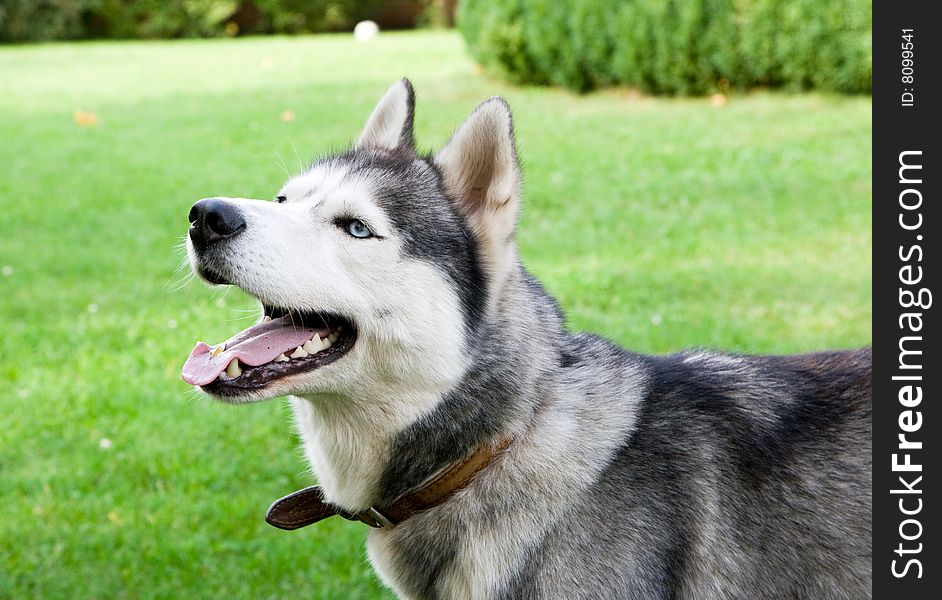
x,y
373,449
347,442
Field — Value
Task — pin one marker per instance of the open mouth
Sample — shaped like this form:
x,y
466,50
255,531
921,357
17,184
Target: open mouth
x,y
286,342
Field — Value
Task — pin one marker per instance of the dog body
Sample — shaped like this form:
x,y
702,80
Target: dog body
x,y
695,475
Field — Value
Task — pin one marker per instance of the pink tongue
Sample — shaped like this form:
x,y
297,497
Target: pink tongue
x,y
254,346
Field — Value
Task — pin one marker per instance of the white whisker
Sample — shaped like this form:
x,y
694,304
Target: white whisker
x,y
281,163
298,156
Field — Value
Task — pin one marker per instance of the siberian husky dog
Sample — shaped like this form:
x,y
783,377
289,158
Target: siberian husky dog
x,y
397,317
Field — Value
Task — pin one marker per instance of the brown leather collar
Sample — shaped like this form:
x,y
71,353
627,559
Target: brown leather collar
x,y
308,506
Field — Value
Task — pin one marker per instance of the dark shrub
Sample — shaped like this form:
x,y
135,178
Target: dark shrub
x,y
42,20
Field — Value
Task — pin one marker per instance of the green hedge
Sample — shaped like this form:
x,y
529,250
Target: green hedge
x,y
674,46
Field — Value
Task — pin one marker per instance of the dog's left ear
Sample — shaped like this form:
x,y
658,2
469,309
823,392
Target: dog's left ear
x,y
390,125
481,172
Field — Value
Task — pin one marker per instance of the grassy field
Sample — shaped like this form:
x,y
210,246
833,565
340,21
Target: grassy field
x,y
662,224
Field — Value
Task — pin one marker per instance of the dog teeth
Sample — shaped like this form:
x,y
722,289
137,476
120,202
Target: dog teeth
x,y
266,319
217,350
233,369
312,346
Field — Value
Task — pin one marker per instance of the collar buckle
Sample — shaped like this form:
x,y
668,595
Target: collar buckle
x,y
380,521
372,516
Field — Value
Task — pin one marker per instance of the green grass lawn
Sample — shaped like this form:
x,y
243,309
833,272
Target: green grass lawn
x,y
662,224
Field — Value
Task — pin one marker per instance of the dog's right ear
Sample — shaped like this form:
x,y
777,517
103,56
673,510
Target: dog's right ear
x,y
390,125
481,172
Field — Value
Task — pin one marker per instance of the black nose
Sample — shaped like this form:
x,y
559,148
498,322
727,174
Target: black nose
x,y
214,219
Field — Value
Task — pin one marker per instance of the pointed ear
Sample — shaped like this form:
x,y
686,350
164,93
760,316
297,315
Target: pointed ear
x,y
390,125
480,170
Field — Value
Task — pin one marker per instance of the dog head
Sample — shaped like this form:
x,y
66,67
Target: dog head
x,y
377,268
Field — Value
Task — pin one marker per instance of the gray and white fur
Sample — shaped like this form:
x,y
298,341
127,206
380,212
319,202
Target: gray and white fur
x,y
696,475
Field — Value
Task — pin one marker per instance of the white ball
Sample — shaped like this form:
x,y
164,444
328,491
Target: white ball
x,y
365,30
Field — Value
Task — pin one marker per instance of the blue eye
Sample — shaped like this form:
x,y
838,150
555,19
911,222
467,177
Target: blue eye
x,y
358,229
